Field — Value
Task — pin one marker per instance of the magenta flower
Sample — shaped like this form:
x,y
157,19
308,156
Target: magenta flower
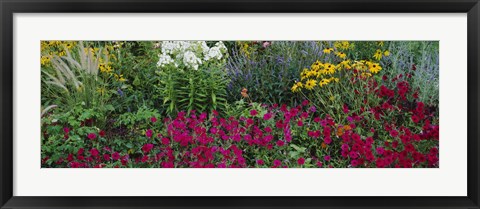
x,y
66,130
354,163
301,161
305,103
380,150
280,143
149,133
153,119
94,152
165,141
260,162
92,136
267,116
146,148
327,158
106,157
253,112
102,133
277,163
300,123
327,140
319,164
115,156
345,108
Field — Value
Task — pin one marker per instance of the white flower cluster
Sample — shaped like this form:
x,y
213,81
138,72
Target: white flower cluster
x,y
190,54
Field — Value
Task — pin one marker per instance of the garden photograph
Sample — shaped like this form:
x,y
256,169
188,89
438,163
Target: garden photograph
x,y
239,104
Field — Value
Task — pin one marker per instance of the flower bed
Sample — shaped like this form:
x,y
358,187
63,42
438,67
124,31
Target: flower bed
x,y
339,113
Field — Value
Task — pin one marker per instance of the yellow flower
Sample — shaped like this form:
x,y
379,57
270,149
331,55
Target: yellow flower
x,y
311,73
300,84
345,64
101,91
333,79
105,68
324,82
44,60
374,67
343,45
327,50
119,78
297,86
310,84
316,65
329,68
304,73
341,55
378,54
386,53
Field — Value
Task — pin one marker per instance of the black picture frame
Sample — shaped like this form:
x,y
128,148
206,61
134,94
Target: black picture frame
x,y
10,7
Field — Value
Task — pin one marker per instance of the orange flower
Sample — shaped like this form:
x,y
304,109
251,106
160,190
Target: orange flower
x,y
324,145
244,93
342,129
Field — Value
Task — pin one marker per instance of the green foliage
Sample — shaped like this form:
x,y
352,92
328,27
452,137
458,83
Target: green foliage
x,y
202,90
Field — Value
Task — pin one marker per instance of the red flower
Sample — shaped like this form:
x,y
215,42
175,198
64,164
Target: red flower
x,y
146,148
299,123
260,162
101,133
253,112
153,119
70,158
92,136
415,119
345,108
280,143
327,140
149,133
66,130
106,157
115,156
94,152
393,133
267,116
165,141
354,163
327,158
305,102
277,163
301,161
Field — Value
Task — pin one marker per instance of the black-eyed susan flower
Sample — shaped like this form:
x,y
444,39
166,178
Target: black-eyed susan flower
x,y
374,67
324,82
329,68
378,54
386,53
341,55
311,73
303,74
297,86
345,64
327,50
310,84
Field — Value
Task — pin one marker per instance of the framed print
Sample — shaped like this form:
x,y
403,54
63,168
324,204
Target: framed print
x,y
265,104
